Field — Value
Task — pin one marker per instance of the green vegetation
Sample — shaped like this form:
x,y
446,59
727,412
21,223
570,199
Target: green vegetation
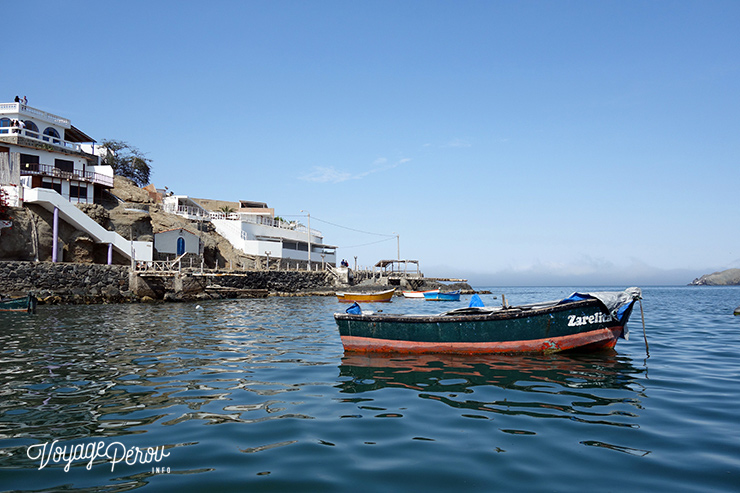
x,y
127,161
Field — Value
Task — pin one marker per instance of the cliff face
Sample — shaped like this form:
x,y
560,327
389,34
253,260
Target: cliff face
x,y
729,277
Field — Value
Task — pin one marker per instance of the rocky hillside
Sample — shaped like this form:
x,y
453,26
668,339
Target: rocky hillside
x,y
128,210
729,277
125,219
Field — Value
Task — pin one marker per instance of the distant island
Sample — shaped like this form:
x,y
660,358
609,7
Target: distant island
x,y
729,277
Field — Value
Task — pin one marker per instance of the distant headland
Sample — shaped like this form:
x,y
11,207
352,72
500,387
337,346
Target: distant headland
x,y
729,277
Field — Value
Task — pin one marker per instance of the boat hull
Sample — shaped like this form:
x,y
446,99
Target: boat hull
x,y
379,297
582,325
24,304
437,296
418,294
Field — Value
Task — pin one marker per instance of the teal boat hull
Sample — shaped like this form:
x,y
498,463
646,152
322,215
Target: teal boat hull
x,y
581,325
23,304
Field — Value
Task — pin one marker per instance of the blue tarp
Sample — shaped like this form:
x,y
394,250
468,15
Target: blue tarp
x,y
475,301
354,309
616,303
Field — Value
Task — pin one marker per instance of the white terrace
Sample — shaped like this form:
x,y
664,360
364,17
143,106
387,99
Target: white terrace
x,y
40,126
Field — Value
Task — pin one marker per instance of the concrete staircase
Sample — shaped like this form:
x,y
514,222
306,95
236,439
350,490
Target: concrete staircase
x,y
140,251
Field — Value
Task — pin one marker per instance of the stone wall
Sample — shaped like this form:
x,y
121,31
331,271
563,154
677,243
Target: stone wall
x,y
65,282
278,281
194,285
99,283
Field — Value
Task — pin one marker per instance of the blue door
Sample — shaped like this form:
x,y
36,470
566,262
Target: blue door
x,y
180,246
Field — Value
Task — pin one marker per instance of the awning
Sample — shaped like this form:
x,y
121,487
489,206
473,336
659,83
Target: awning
x,y
74,134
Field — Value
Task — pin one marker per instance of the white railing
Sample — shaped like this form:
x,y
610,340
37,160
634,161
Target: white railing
x,y
9,108
235,229
48,170
185,210
263,220
47,139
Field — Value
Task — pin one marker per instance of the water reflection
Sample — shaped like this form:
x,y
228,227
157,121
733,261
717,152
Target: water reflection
x,y
601,388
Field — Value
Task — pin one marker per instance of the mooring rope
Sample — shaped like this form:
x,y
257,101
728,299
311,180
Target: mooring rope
x,y
644,333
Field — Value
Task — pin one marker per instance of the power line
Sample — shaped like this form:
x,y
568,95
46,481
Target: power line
x,y
356,230
366,244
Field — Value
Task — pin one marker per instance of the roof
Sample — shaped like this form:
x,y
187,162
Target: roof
x,y
215,205
74,134
176,229
250,204
386,263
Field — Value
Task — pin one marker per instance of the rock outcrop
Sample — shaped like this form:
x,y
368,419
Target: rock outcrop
x,y
729,277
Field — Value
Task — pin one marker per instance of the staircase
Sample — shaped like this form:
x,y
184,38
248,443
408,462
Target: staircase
x,y
140,251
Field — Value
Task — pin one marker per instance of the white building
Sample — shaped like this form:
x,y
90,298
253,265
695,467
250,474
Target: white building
x,y
44,159
50,153
253,228
177,242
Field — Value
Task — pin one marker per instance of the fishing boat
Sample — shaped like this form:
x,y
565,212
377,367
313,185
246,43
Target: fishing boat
x,y
418,294
369,297
21,304
438,296
583,321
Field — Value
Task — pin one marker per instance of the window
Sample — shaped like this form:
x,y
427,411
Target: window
x,y
4,122
51,132
78,192
64,165
31,129
56,185
29,162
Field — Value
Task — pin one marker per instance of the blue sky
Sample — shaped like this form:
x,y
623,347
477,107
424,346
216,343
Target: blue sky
x,y
532,143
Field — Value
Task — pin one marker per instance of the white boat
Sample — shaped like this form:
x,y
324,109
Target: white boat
x,y
418,294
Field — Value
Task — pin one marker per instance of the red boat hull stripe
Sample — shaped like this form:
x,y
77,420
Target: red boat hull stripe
x,y
595,339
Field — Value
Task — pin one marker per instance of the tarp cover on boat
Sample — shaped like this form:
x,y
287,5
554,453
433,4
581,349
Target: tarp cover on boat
x,y
614,301
354,309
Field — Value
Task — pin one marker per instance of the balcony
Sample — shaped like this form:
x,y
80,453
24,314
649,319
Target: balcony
x,y
48,170
20,111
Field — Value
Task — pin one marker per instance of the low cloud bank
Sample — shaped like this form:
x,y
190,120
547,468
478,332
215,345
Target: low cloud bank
x,y
581,274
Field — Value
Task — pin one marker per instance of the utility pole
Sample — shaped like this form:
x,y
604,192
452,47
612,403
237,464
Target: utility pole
x,y
309,238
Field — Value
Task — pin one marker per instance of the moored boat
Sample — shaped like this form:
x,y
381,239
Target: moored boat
x,y
21,304
418,294
370,297
583,321
439,296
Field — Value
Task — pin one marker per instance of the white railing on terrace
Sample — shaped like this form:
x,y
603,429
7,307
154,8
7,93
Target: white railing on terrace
x,y
264,220
47,139
11,108
189,211
235,229
48,170
185,210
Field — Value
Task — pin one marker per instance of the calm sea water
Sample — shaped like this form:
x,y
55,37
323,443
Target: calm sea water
x,y
258,395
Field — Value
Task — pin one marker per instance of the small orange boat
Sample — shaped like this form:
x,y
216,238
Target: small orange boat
x,y
376,297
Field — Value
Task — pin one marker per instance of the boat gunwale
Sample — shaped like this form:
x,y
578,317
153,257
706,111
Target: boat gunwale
x,y
508,313
361,293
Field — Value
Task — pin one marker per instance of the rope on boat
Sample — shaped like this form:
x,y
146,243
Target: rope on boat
x,y
644,333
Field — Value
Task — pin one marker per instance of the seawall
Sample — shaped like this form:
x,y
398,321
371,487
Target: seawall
x,y
98,283
65,282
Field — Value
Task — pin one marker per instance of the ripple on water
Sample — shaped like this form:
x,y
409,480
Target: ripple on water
x,y
257,394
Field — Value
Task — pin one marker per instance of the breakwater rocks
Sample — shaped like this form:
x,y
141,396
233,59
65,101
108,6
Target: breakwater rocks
x,y
95,283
